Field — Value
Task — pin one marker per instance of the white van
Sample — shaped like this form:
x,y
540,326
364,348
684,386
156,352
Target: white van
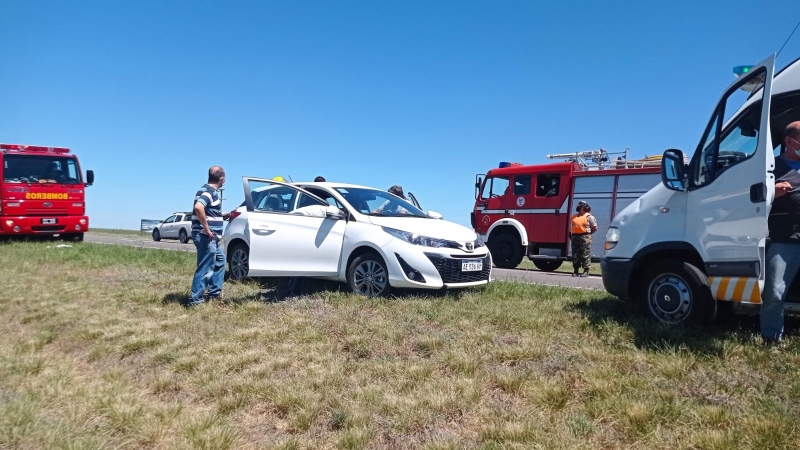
x,y
699,237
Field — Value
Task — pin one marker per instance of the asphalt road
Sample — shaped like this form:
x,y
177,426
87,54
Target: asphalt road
x,y
526,276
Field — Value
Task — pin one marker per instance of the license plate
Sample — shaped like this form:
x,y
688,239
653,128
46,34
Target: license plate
x,y
49,221
471,265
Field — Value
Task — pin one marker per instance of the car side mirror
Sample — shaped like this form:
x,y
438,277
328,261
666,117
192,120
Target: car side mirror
x,y
673,170
332,212
89,177
435,215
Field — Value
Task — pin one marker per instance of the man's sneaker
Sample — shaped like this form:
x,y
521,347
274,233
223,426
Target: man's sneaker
x,y
585,273
189,303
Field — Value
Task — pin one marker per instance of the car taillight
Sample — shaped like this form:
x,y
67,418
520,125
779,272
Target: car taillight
x,y
234,214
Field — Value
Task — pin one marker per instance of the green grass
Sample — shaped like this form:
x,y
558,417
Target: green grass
x,y
566,267
97,353
116,232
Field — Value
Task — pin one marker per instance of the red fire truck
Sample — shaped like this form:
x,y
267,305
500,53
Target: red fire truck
x,y
524,210
42,192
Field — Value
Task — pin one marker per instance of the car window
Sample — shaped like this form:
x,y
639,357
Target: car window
x,y
275,198
325,195
170,219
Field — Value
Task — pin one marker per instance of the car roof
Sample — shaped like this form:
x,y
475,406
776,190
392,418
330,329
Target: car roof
x,y
334,185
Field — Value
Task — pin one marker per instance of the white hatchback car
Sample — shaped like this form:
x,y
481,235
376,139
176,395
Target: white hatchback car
x,y
363,236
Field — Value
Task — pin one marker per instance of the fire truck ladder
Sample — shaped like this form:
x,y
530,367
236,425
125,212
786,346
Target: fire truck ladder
x,y
600,160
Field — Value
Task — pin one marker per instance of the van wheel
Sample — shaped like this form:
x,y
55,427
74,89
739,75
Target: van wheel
x,y
675,292
506,251
183,236
238,262
546,266
156,235
368,276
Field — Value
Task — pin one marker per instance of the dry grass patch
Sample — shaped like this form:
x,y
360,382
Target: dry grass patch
x,y
98,354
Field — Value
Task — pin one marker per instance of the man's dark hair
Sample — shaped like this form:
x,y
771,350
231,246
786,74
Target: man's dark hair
x,y
397,190
215,173
319,179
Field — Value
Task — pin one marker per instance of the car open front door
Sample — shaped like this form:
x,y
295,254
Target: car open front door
x,y
289,232
731,188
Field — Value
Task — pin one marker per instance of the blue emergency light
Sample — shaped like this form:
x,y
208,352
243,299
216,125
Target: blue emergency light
x,y
741,70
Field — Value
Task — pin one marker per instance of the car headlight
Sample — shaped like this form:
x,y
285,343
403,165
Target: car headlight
x,y
418,239
612,237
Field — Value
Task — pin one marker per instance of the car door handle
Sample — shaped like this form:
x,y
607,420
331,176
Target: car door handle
x,y
263,230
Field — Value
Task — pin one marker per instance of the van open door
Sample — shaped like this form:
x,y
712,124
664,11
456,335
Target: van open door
x,y
729,188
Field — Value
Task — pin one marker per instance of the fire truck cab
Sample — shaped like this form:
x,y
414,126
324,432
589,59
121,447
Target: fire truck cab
x,y
42,192
524,210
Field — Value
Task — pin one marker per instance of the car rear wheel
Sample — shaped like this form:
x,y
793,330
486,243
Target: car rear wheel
x,y
156,235
546,266
183,236
238,262
368,275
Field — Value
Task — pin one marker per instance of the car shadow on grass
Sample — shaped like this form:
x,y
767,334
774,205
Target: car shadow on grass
x,y
707,339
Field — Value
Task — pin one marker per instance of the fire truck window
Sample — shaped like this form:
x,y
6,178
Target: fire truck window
x,y
522,185
495,187
547,184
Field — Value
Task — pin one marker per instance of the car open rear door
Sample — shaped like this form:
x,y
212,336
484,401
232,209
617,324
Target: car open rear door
x,y
284,243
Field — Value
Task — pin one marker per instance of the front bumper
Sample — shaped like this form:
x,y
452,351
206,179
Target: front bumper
x,y
435,268
33,225
617,276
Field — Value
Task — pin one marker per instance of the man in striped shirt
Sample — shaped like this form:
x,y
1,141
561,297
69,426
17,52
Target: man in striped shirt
x,y
207,223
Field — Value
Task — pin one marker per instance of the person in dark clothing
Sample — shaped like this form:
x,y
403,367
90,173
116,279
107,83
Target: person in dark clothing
x,y
319,179
783,253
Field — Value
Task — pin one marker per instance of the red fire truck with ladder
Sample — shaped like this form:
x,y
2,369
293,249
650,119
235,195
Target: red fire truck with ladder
x,y
42,192
524,210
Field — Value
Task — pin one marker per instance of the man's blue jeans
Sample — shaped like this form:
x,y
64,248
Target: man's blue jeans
x,y
210,267
783,262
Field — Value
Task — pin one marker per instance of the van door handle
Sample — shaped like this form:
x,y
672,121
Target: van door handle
x,y
758,193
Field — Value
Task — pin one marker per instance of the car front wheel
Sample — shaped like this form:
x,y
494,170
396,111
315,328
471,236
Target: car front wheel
x,y
368,275
239,262
156,235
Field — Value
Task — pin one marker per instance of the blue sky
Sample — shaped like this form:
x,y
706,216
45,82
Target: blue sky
x,y
424,94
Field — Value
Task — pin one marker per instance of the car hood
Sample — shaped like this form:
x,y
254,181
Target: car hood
x,y
435,228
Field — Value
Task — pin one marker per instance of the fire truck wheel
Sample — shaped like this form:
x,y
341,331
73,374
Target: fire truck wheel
x,y
506,251
183,236
546,266
675,292
156,235
368,275
238,262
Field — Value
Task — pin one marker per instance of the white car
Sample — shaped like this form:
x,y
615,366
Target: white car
x,y
177,226
366,237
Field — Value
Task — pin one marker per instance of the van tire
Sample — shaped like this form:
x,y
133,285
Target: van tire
x,y
675,292
506,251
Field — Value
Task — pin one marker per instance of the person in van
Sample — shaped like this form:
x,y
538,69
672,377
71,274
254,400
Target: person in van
x,y
783,253
582,226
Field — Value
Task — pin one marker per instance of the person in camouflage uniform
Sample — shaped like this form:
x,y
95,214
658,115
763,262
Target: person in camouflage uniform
x,y
582,225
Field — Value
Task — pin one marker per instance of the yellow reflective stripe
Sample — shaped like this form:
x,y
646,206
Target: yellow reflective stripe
x,y
737,289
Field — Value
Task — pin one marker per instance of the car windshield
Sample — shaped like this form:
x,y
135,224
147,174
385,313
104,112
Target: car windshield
x,y
375,202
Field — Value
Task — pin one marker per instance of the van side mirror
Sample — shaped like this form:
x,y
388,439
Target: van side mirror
x,y
673,170
89,177
435,215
